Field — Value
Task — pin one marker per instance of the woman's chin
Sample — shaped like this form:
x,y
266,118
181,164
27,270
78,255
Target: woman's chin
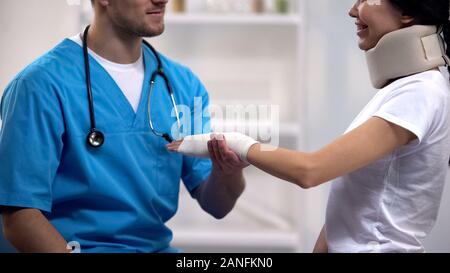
x,y
365,45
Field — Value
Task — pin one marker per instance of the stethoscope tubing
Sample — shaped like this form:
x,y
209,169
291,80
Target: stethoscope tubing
x,y
95,137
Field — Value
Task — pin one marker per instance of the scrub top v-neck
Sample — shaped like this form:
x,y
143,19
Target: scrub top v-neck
x,y
113,199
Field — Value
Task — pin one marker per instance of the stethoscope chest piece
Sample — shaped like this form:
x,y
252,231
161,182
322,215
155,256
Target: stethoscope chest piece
x,y
95,139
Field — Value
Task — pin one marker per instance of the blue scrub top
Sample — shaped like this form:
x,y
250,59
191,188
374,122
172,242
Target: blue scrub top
x,y
113,199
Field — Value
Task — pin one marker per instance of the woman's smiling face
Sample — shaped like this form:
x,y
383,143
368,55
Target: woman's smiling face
x,y
374,19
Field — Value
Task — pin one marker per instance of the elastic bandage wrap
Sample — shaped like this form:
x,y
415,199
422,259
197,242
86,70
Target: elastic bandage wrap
x,y
197,145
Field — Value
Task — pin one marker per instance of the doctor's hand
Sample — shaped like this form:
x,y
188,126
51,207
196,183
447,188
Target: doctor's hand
x,y
223,158
216,148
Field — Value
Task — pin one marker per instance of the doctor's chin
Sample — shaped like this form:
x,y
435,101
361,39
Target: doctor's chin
x,y
238,126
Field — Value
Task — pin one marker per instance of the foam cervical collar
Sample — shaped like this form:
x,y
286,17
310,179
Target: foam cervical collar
x,y
405,52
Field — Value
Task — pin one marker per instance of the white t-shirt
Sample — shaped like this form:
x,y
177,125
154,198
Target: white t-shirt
x,y
392,204
128,77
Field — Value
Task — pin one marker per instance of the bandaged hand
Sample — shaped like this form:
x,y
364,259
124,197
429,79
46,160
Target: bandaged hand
x,y
197,145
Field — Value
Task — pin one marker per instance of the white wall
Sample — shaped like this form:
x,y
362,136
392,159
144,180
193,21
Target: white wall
x,y
337,85
30,28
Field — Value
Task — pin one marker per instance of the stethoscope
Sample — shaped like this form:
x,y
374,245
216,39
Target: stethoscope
x,y
95,137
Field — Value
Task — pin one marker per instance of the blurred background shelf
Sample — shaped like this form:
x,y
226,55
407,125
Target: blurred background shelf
x,y
264,220
237,241
246,61
233,19
286,129
253,226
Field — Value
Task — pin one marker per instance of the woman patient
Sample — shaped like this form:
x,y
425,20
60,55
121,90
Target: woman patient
x,y
388,170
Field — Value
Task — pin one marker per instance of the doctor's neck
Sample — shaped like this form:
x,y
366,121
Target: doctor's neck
x,y
114,43
118,27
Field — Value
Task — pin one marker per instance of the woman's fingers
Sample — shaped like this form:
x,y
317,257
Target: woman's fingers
x,y
174,146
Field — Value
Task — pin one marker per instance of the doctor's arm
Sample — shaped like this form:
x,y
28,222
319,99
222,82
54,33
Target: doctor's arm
x,y
30,232
370,142
218,195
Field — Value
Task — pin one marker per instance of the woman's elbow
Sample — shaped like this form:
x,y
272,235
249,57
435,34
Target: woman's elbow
x,y
307,176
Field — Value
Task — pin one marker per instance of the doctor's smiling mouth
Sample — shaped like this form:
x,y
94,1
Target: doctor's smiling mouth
x,y
156,12
141,18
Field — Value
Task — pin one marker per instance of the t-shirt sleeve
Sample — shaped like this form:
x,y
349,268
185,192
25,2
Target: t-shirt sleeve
x,y
414,107
197,170
30,144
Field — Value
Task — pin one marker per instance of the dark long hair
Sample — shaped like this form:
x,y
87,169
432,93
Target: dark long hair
x,y
428,12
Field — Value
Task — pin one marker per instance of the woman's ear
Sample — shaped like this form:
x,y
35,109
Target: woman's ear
x,y
407,20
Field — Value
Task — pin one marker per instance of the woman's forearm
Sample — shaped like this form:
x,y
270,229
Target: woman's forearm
x,y
370,142
292,166
30,232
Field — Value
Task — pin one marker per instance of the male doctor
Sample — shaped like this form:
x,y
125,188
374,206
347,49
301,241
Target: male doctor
x,y
55,188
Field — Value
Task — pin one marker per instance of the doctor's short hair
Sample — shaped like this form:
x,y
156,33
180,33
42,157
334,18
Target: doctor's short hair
x,y
428,12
